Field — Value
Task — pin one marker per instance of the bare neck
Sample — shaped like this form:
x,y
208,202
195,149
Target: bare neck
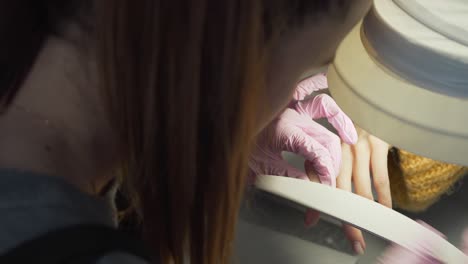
x,y
56,125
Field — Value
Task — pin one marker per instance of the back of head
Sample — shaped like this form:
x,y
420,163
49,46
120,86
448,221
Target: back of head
x,y
182,81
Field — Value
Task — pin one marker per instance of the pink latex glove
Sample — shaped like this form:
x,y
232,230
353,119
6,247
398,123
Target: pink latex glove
x,y
421,252
295,130
312,84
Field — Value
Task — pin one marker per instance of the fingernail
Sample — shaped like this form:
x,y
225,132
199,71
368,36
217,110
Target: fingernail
x,y
358,248
314,222
310,220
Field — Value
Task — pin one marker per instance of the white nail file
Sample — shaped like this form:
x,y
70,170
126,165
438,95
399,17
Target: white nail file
x,y
359,212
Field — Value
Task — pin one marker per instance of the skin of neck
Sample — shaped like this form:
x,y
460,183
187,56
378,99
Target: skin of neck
x,y
56,124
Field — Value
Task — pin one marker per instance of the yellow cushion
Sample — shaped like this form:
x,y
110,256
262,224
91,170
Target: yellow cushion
x,y
417,182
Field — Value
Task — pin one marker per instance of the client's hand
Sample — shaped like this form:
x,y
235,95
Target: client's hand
x,y
368,155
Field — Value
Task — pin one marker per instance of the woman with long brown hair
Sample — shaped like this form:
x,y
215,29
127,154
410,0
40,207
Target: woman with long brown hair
x,y
166,96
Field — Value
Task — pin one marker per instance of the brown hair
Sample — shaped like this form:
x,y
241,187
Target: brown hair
x,y
182,80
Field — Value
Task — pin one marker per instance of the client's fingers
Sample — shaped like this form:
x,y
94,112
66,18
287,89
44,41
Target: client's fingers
x,y
343,182
379,167
356,238
361,169
311,217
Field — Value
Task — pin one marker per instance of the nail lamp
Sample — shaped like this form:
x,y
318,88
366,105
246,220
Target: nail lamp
x,y
402,75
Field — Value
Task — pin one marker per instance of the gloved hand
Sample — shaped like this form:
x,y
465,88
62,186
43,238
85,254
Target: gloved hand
x,y
309,85
421,252
295,130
